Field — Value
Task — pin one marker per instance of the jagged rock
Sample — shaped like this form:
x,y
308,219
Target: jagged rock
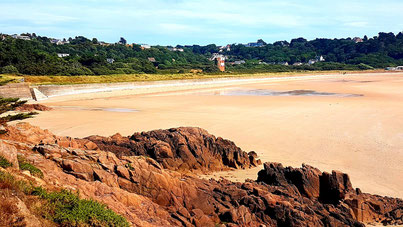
x,y
180,149
333,187
90,145
78,168
136,186
123,172
25,133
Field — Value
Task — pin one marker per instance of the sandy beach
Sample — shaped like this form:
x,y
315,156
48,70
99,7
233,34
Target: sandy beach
x,y
352,123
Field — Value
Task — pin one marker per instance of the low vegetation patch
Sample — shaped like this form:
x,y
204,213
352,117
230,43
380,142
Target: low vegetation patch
x,y
64,207
25,165
8,181
4,163
67,209
8,210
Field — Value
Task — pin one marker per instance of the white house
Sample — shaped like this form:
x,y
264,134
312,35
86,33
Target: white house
x,y
217,55
239,62
145,46
23,37
317,59
110,60
176,49
62,55
58,41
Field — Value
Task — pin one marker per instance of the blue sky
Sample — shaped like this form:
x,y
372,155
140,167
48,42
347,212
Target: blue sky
x,y
171,22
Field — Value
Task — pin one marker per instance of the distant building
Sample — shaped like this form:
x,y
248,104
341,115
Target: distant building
x,y
239,62
145,46
221,63
254,45
225,48
214,56
176,49
104,43
317,59
320,58
358,40
62,55
152,60
259,43
23,37
58,41
110,60
220,59
283,63
297,64
312,61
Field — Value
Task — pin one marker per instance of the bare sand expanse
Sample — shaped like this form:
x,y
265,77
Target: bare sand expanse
x,y
354,123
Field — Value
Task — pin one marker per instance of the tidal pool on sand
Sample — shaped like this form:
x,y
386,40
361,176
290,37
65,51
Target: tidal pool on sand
x,y
265,92
119,110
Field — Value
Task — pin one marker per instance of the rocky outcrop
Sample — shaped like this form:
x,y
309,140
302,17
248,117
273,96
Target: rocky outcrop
x,y
307,181
332,191
140,187
180,149
33,107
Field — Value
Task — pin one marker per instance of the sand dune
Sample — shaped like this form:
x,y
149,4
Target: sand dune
x,y
358,129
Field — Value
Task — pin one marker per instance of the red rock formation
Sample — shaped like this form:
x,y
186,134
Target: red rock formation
x,y
33,107
142,188
180,149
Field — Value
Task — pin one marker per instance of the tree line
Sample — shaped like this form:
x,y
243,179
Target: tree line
x,y
39,56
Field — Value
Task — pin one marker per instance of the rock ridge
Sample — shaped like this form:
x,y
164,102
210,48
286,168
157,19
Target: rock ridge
x,y
142,188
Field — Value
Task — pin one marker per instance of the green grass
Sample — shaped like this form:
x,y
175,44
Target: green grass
x,y
25,165
5,79
67,209
4,163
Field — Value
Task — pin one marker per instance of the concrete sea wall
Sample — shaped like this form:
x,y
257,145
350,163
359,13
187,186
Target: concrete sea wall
x,y
17,90
41,92
161,86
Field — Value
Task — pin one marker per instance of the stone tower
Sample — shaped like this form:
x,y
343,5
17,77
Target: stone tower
x,y
221,63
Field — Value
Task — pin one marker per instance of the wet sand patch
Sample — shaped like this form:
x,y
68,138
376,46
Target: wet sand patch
x,y
265,92
355,81
119,110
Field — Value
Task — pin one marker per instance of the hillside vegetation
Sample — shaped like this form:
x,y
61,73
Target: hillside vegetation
x,y
82,56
